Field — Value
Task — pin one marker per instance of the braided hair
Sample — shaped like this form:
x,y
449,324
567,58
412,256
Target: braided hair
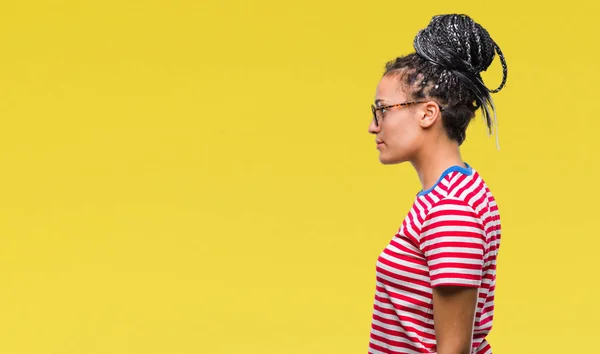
x,y
450,54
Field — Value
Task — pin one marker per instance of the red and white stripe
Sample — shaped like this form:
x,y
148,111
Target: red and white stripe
x,y
450,236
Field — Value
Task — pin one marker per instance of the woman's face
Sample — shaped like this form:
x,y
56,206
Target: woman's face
x,y
399,135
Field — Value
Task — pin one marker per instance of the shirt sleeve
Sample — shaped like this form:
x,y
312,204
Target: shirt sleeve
x,y
453,242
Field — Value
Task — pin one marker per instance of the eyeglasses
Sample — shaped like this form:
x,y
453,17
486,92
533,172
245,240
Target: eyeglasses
x,y
378,111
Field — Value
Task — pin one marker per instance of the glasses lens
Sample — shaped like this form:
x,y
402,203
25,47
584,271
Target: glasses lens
x,y
375,115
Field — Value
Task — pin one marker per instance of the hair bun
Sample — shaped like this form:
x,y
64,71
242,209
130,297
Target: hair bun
x,y
458,43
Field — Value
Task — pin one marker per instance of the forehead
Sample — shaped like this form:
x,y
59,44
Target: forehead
x,y
390,89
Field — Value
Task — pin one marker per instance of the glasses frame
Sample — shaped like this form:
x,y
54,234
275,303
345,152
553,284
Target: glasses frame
x,y
374,109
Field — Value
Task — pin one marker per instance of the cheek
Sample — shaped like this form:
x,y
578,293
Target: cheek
x,y
402,141
401,135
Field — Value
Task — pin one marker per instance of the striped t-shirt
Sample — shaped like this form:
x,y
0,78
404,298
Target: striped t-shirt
x,y
451,236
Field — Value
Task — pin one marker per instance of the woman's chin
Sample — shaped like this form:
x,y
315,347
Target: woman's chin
x,y
387,161
390,160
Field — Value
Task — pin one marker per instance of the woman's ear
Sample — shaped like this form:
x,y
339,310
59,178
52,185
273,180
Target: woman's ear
x,y
430,114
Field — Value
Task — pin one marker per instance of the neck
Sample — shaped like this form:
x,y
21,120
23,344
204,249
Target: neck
x,y
435,159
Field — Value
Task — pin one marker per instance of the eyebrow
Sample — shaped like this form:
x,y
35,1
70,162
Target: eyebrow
x,y
378,101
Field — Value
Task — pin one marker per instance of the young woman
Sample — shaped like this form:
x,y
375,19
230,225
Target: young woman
x,y
436,278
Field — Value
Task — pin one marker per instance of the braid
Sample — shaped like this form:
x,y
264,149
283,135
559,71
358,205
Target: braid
x,y
504,69
450,54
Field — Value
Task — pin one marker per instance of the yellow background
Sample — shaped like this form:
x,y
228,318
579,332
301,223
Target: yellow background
x,y
196,176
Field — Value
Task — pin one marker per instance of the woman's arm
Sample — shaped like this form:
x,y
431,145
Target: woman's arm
x,y
453,316
453,240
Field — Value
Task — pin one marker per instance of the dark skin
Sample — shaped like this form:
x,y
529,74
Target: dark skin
x,y
453,315
416,134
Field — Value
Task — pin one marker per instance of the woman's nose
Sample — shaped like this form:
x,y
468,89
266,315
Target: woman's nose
x,y
373,128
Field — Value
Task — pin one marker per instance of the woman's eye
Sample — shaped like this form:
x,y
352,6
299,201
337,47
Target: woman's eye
x,y
383,110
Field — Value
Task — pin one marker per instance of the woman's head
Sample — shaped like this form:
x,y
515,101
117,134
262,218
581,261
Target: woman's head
x,y
443,76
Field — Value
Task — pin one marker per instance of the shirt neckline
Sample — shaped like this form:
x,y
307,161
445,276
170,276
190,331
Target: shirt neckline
x,y
466,171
